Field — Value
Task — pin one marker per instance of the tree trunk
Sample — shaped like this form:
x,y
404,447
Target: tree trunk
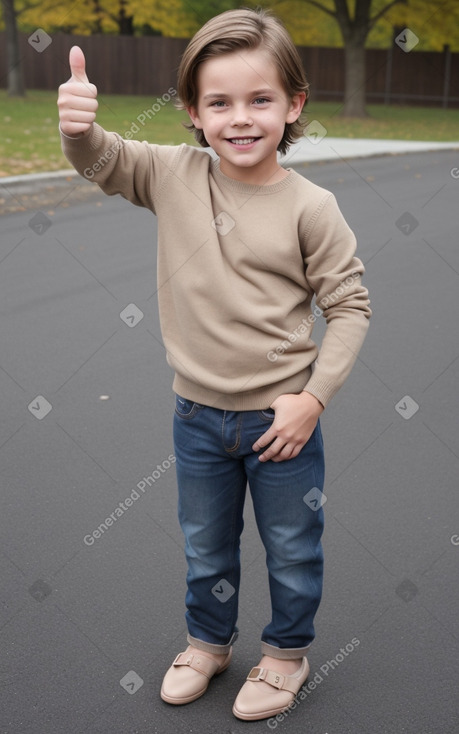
x,y
14,61
125,22
126,25
354,90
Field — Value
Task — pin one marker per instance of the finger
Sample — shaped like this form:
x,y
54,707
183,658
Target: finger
x,y
84,101
275,449
77,63
74,128
281,451
264,439
287,453
79,116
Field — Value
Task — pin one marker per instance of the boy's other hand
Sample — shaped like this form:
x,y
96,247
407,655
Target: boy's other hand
x,y
295,419
77,98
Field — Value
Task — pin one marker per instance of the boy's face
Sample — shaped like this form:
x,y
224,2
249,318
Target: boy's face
x,y
242,109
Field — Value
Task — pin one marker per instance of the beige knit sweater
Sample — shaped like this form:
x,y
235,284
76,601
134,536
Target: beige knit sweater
x,y
238,265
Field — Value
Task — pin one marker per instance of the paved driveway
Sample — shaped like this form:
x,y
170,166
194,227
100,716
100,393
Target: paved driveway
x,y
90,619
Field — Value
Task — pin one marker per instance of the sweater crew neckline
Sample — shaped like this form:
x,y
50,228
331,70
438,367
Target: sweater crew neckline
x,y
240,187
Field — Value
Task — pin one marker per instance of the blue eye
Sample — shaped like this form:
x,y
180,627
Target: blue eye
x,y
261,100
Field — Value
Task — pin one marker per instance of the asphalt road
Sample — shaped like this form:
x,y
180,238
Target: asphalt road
x,y
89,621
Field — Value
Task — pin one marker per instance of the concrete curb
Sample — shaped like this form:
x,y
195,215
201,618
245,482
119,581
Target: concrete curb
x,y
29,178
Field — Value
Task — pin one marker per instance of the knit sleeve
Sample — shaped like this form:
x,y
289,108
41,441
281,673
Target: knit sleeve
x,y
135,169
334,273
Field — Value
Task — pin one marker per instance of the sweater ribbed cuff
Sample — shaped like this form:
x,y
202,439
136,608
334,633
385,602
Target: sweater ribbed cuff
x,y
322,389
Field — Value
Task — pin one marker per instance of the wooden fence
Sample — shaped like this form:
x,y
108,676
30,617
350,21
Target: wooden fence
x,y
148,65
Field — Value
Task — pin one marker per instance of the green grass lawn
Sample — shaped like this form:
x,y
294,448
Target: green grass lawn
x,y
29,139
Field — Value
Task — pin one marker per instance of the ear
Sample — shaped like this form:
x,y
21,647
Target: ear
x,y
194,117
296,105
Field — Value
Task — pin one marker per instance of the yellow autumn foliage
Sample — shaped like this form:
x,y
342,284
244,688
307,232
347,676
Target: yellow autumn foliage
x,y
435,25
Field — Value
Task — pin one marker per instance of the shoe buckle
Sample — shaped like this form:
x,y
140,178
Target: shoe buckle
x,y
256,674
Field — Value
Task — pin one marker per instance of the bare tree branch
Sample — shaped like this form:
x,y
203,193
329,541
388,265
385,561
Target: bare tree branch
x,y
382,12
321,7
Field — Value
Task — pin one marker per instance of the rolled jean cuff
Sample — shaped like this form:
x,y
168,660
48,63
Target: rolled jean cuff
x,y
284,653
210,647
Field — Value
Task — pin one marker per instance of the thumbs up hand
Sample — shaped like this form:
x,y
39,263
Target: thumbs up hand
x,y
77,99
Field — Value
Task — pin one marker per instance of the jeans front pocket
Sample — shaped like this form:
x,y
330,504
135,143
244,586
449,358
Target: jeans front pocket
x,y
267,416
185,408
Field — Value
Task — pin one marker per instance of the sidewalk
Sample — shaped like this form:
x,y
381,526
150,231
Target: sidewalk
x,y
305,151
328,149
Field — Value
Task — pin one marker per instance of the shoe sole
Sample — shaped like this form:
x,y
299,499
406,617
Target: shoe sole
x,y
260,714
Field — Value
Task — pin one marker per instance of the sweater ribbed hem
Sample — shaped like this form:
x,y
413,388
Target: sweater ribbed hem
x,y
251,400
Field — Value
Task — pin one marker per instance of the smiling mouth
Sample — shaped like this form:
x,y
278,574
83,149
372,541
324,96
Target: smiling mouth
x,y
242,141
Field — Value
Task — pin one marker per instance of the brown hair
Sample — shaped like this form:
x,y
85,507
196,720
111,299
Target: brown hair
x,y
243,29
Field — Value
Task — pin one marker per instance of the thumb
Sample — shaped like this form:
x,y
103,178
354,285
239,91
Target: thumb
x,y
78,64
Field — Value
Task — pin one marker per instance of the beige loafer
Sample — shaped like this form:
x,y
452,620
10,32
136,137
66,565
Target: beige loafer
x,y
189,675
267,693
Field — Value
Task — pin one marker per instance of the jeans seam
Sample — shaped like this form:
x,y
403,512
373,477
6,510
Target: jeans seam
x,y
232,449
232,616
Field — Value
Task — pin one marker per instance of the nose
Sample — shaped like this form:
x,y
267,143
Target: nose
x,y
241,117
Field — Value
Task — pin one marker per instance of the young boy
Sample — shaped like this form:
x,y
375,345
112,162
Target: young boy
x,y
243,247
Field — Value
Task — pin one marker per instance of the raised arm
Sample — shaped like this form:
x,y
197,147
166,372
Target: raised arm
x,y
132,168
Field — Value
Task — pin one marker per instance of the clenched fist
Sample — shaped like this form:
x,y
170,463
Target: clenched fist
x,y
77,99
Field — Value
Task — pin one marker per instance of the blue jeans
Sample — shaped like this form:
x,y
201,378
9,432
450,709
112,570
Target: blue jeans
x,y
214,462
